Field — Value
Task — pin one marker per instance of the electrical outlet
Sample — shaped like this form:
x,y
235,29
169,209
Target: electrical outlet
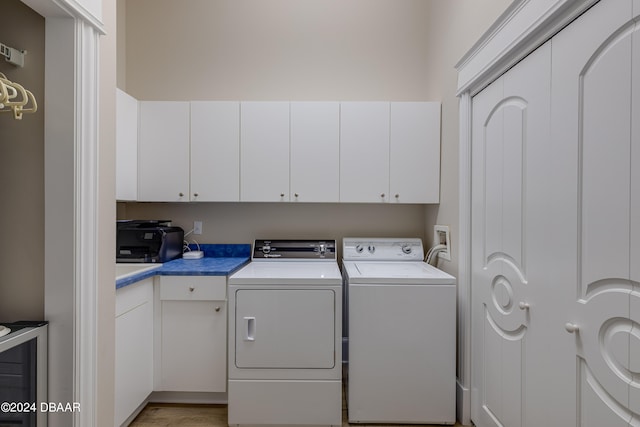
x,y
197,227
441,236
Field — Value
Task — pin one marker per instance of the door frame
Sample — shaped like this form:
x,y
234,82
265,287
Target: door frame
x,y
72,32
521,29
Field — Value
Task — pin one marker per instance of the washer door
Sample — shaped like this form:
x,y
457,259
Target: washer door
x,y
285,328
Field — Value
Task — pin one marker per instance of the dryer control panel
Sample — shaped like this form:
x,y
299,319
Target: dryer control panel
x,y
382,249
289,250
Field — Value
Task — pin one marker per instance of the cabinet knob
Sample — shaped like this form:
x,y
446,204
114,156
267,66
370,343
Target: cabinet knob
x,y
524,305
571,328
296,194
191,289
181,194
217,309
281,194
382,195
397,196
195,194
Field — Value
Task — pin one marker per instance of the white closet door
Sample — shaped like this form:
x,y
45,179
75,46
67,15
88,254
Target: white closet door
x,y
595,109
634,353
215,151
509,263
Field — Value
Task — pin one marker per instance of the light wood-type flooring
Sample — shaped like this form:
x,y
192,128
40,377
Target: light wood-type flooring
x,y
169,415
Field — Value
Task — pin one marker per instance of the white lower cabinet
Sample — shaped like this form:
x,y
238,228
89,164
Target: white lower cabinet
x,y
193,337
134,348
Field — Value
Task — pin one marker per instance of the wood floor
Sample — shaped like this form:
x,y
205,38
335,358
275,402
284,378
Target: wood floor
x,y
169,415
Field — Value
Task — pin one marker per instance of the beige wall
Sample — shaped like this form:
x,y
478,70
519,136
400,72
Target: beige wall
x,y
454,27
106,219
22,172
243,222
398,50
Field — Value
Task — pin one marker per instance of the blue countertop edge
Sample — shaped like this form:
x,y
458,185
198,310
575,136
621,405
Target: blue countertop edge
x,y
219,260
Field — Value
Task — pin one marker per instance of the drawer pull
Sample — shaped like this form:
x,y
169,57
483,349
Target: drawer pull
x,y
217,309
191,289
571,328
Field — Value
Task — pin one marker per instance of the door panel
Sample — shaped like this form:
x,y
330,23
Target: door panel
x,y
285,328
594,88
507,116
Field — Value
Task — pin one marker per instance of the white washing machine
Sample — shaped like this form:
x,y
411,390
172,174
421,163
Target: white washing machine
x,y
285,320
401,334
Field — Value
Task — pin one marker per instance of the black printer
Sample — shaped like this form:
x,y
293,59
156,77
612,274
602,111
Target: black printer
x,y
148,241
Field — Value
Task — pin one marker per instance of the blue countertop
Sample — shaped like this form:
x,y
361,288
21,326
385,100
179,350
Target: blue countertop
x,y
219,260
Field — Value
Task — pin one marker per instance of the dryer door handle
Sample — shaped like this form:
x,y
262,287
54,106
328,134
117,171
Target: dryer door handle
x,y
249,328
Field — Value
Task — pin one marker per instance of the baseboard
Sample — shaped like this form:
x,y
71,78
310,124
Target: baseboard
x,y
463,404
188,397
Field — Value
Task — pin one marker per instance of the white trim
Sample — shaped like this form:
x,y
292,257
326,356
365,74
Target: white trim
x,y
66,9
86,225
464,262
524,27
71,206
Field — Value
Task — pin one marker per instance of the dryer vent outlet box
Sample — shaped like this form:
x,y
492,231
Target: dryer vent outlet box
x,y
441,236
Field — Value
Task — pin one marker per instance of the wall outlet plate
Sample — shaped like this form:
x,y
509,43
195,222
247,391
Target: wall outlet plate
x,y
441,236
197,227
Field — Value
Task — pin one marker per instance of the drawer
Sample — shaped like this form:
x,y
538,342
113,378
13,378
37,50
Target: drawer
x,y
133,296
193,288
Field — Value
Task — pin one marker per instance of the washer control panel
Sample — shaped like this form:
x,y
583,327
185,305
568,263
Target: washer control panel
x,y
382,249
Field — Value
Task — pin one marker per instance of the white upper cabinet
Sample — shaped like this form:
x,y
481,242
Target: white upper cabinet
x,y
215,151
163,151
324,152
264,151
315,152
364,151
126,146
414,152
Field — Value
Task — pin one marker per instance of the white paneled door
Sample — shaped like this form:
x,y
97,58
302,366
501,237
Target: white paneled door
x,y
509,262
595,107
556,231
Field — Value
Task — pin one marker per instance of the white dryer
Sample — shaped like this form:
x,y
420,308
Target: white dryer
x,y
285,320
401,334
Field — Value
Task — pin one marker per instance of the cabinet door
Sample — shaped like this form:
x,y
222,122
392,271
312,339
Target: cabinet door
x,y
126,146
215,151
364,151
315,152
134,348
163,151
194,346
415,152
264,151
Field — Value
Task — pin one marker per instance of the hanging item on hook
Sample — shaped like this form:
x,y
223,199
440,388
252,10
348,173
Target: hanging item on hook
x,y
15,98
14,56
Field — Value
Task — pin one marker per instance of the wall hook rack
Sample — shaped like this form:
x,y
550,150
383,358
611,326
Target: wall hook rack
x,y
13,56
